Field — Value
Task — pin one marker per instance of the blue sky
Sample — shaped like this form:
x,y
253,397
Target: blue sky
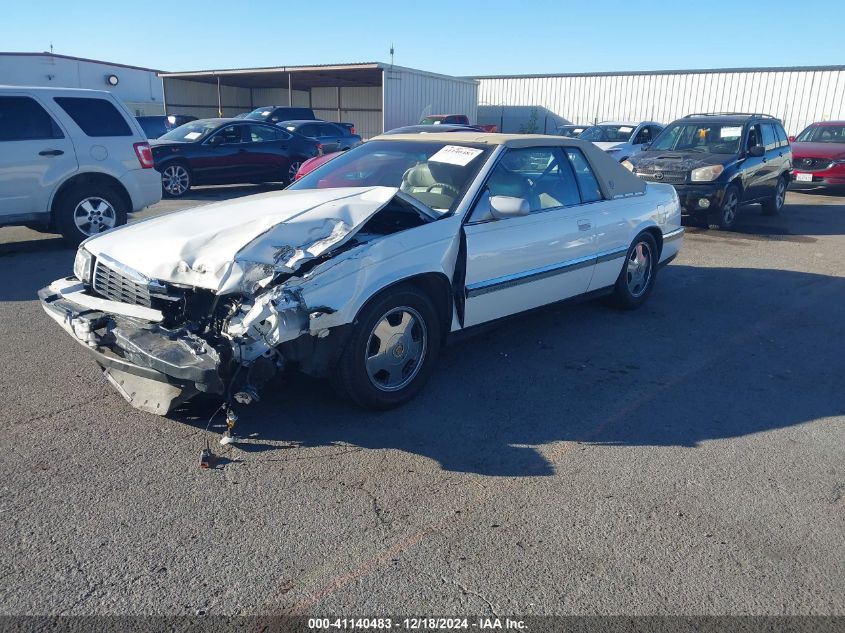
x,y
460,38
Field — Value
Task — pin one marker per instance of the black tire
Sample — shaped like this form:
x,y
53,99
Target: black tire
x,y
773,205
725,217
176,179
627,293
76,220
352,376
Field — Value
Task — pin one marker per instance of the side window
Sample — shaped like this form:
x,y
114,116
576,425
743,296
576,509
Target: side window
x,y
95,117
643,136
781,134
283,135
231,134
329,130
541,175
754,136
261,133
310,130
587,183
655,130
769,138
23,119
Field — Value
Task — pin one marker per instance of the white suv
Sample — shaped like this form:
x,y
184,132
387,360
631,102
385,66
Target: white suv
x,y
71,160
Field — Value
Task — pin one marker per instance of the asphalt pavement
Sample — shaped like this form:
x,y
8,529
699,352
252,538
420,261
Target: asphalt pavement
x,y
686,458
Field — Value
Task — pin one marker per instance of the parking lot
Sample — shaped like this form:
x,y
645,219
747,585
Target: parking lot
x,y
683,458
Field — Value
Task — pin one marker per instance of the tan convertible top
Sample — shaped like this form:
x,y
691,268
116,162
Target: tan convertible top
x,y
615,181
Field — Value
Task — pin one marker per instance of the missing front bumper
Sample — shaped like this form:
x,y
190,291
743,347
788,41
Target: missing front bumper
x,y
155,369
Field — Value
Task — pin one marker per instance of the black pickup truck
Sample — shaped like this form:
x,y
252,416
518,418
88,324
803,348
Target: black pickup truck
x,y
275,114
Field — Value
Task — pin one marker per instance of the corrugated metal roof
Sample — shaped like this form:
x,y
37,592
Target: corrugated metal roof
x,y
692,71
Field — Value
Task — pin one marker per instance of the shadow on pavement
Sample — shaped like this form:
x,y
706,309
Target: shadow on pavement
x,y
706,359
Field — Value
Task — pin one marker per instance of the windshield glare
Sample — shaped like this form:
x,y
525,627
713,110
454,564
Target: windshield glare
x,y
713,138
823,134
436,174
259,114
607,133
570,131
190,132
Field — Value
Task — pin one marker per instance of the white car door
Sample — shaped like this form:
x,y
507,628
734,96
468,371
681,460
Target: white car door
x,y
542,248
35,155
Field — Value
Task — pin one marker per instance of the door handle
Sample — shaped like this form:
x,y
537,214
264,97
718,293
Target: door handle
x,y
584,225
51,152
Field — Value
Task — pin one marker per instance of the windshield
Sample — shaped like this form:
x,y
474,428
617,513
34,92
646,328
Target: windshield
x,y
260,114
607,133
436,174
191,132
432,120
823,134
570,131
713,138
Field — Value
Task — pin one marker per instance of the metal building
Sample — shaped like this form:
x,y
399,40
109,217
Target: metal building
x,y
798,96
139,88
373,96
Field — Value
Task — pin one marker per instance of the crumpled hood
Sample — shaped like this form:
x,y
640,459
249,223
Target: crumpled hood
x,y
215,246
678,161
818,150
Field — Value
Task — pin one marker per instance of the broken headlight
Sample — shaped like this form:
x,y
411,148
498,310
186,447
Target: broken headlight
x,y
82,265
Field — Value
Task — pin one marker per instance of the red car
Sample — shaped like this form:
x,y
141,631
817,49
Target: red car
x,y
312,163
818,154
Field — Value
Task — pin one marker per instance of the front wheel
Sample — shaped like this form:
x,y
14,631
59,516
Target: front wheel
x,y
391,350
727,213
774,204
635,282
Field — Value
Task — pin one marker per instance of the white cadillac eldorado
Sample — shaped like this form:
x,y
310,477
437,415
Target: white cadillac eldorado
x,y
364,267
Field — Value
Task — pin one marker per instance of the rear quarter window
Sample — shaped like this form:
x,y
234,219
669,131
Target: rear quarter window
x,y
95,117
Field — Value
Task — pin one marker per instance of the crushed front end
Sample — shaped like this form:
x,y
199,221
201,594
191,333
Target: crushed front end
x,y
141,333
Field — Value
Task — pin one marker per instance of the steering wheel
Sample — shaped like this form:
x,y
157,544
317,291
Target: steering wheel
x,y
442,185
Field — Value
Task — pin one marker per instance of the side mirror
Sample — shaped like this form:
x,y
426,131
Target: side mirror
x,y
645,146
791,139
498,208
757,151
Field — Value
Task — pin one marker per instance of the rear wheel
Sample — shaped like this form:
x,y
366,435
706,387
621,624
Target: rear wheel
x,y
292,169
773,205
175,180
391,351
635,282
88,210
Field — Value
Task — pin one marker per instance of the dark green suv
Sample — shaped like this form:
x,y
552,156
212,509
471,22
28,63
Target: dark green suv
x,y
719,162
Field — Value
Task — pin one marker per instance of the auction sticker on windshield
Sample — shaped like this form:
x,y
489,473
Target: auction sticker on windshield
x,y
192,135
455,155
730,132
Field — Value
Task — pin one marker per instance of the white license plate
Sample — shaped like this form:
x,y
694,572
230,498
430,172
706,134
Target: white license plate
x,y
804,177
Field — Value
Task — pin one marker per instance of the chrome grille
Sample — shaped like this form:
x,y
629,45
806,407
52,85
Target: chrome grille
x,y
812,164
658,175
120,286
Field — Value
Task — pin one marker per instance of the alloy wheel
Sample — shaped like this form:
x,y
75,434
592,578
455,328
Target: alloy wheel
x,y
294,167
729,207
94,215
639,269
780,194
175,180
396,349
